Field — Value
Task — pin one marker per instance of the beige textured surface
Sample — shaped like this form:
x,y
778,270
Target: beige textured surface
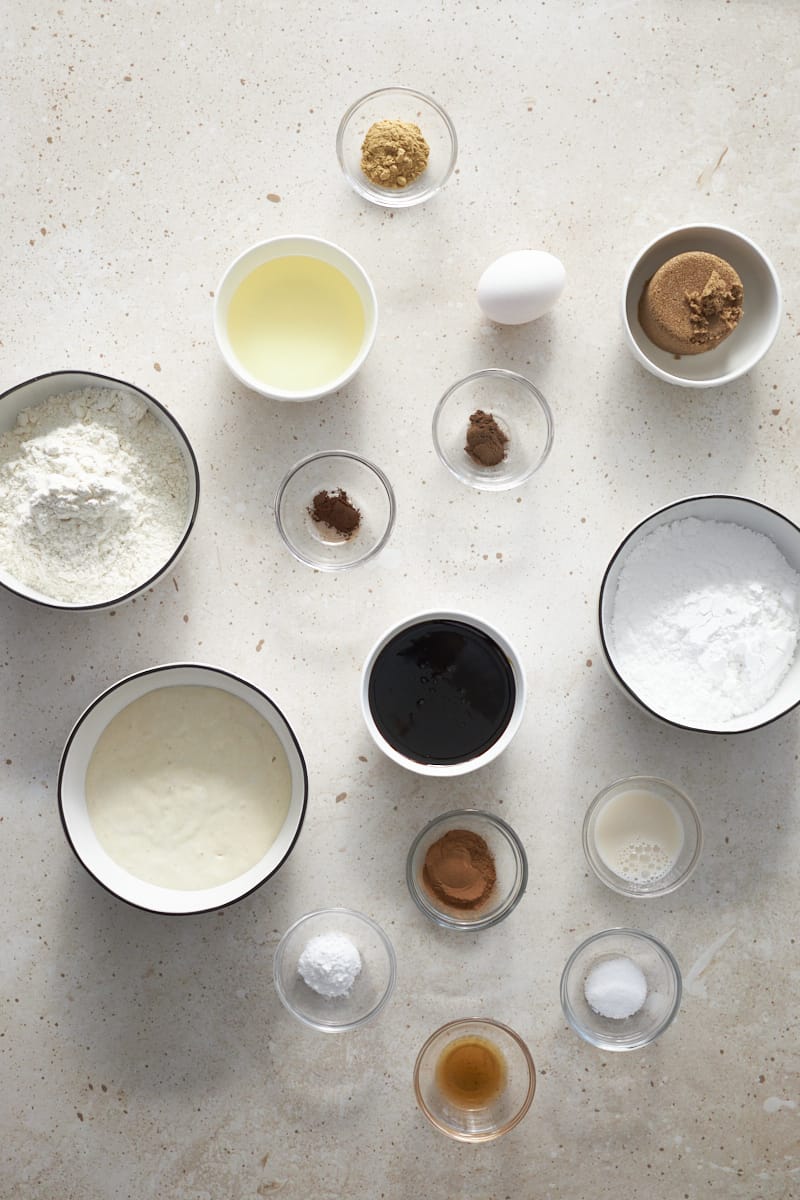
x,y
145,1057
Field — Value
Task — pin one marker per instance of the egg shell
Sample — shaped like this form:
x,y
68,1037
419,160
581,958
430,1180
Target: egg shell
x,y
521,286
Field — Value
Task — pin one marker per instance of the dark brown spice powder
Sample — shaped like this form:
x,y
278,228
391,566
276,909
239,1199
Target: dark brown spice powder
x,y
486,442
337,511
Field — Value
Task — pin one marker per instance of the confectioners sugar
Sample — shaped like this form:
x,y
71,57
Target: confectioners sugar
x,y
93,495
706,620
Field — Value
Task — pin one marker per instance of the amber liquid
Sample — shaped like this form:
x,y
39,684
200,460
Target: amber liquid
x,y
471,1072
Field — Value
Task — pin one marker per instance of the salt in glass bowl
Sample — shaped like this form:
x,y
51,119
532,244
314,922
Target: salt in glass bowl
x,y
397,104
739,510
522,413
490,1121
37,391
510,860
371,990
664,989
745,346
688,855
318,544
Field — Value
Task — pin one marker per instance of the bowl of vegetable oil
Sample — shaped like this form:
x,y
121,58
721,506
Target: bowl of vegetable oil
x,y
295,317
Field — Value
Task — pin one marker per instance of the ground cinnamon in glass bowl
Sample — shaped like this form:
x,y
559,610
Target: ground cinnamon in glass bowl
x,y
467,870
459,870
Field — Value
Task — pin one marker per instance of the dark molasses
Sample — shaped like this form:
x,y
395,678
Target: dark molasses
x,y
441,692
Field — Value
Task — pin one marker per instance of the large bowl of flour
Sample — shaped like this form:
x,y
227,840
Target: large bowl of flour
x,y
99,490
699,614
182,788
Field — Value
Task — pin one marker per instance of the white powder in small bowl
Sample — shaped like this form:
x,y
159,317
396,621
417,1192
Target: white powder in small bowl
x,y
706,620
330,964
615,988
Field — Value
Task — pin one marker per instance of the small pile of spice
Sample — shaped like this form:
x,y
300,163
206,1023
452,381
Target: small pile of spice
x,y
615,988
486,441
330,964
394,153
459,870
337,511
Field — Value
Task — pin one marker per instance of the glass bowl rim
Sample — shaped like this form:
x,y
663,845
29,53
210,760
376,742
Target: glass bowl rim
x,y
470,1023
445,920
280,950
615,882
527,385
384,197
667,1019
295,470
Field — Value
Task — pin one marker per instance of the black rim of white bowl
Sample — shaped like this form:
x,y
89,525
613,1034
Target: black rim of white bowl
x,y
111,381
601,624
155,671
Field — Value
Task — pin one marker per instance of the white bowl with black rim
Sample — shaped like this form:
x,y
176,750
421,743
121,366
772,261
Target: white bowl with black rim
x,y
443,693
37,391
110,869
738,510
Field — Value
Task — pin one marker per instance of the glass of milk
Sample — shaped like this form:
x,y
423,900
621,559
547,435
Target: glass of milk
x,y
642,836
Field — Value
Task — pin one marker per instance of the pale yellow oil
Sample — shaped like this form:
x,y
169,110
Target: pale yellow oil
x,y
296,323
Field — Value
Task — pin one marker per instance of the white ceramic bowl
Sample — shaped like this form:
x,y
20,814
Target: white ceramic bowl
x,y
753,336
451,768
72,796
55,383
286,247
737,510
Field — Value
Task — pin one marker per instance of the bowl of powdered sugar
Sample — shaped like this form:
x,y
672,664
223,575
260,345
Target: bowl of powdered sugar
x,y
700,614
98,490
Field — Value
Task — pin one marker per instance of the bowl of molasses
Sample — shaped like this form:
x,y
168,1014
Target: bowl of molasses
x,y
442,693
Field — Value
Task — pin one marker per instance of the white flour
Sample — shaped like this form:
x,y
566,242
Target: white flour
x,y
706,620
93,496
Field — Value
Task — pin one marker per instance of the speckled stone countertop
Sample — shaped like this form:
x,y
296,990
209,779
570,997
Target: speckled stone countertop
x,y
144,146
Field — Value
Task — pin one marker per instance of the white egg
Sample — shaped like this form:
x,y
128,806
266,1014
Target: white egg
x,y
521,286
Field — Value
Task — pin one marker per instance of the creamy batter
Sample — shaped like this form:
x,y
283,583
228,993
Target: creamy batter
x,y
188,787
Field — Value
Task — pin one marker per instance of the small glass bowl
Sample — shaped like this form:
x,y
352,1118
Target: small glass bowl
x,y
499,1115
397,104
510,860
371,989
519,409
686,814
663,990
317,544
